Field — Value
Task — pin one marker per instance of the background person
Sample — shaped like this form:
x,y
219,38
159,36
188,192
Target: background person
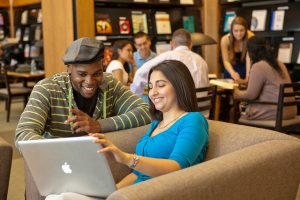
x,y
176,139
234,51
181,45
266,75
121,59
143,54
81,101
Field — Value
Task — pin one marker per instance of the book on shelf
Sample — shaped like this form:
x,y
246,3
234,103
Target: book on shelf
x,y
258,20
124,25
187,2
34,51
103,24
229,16
139,21
277,20
33,15
26,34
24,17
298,58
163,1
163,24
141,1
285,52
107,56
1,19
188,23
40,16
224,83
162,47
2,33
27,51
18,34
38,33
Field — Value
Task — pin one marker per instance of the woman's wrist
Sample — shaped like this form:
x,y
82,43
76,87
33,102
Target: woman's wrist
x,y
132,160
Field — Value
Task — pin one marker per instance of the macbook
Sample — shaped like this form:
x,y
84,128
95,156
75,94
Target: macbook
x,y
68,165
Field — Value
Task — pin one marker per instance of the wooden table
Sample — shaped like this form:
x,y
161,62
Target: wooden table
x,y
25,77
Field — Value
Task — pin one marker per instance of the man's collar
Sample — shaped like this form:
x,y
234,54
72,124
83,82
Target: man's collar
x,y
179,48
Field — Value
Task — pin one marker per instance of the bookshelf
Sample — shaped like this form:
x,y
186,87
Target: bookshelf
x,y
4,24
283,30
121,19
28,32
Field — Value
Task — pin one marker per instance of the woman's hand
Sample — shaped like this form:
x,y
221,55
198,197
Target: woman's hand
x,y
109,147
235,76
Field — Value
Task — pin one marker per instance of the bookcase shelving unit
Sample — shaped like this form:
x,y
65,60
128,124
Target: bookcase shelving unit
x,y
290,32
28,31
111,11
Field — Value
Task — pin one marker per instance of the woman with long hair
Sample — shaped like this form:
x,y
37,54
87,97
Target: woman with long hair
x,y
234,51
122,58
266,75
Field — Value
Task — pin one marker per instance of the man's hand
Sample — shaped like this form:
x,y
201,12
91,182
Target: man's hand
x,y
82,122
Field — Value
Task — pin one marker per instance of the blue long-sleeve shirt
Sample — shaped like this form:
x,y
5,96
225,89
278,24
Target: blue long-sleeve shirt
x,y
185,142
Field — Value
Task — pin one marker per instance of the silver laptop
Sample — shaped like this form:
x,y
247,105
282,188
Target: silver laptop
x,y
68,165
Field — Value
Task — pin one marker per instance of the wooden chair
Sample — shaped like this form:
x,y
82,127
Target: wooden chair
x,y
289,95
206,100
8,93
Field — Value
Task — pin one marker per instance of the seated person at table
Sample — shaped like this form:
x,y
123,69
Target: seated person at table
x,y
234,51
81,100
266,75
122,57
177,137
143,54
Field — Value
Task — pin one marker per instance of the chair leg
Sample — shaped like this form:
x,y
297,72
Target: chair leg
x,y
8,109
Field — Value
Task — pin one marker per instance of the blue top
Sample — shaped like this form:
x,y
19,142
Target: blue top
x,y
185,142
139,61
239,67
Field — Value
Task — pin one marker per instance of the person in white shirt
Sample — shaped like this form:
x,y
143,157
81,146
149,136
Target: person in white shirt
x,y
122,56
181,45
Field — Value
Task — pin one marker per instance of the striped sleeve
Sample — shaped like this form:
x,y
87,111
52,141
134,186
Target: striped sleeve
x,y
129,110
33,119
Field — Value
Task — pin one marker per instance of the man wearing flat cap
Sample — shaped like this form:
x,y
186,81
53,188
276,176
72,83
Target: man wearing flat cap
x,y
81,100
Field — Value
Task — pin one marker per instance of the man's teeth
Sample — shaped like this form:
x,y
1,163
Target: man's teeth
x,y
88,88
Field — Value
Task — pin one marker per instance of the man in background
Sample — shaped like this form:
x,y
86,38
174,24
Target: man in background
x,y
81,100
181,45
143,54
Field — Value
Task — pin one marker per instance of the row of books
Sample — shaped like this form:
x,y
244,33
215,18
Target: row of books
x,y
31,16
105,24
29,34
259,19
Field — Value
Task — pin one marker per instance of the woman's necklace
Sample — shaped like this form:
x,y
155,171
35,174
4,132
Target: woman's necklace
x,y
161,127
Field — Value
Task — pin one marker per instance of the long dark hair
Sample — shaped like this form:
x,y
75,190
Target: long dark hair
x,y
120,44
259,50
181,79
237,21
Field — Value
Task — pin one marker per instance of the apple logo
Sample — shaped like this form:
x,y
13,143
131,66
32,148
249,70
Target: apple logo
x,y
66,168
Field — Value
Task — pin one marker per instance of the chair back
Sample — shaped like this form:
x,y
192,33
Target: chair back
x,y
289,95
206,99
4,78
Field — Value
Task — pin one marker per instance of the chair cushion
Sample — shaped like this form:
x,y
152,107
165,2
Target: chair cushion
x,y
270,123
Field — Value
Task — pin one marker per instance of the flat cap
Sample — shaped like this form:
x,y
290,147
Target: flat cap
x,y
84,51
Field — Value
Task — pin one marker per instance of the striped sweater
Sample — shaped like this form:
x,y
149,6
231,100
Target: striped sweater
x,y
48,107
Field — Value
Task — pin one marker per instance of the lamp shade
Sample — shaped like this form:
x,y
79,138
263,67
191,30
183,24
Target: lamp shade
x,y
201,39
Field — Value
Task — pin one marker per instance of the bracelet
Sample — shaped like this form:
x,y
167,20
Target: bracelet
x,y
135,160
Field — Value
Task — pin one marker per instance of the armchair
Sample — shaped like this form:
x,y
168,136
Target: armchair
x,y
241,163
5,166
